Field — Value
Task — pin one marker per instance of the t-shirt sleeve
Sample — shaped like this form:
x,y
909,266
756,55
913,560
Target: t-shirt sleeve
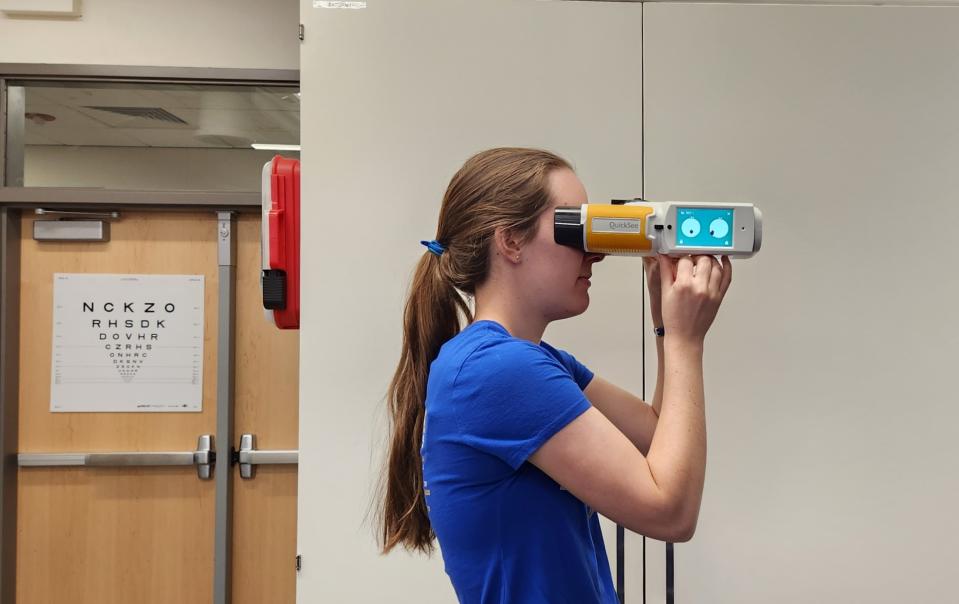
x,y
513,397
581,374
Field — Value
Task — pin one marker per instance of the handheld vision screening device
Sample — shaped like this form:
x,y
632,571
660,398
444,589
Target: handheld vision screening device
x,y
646,228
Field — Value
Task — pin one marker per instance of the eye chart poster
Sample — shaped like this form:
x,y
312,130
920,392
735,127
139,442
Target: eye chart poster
x,y
127,343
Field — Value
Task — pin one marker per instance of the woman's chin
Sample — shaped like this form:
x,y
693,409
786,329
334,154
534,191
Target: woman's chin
x,y
576,310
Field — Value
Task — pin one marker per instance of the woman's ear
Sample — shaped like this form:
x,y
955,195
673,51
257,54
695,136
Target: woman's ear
x,y
506,244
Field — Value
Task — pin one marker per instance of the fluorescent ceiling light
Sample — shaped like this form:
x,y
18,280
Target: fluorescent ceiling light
x,y
271,147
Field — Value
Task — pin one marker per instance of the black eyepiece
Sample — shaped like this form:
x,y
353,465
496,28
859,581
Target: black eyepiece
x,y
568,226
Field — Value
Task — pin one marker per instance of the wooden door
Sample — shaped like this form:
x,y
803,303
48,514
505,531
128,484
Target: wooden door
x,y
104,535
267,387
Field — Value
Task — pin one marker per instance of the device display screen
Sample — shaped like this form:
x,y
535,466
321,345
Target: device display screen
x,y
704,227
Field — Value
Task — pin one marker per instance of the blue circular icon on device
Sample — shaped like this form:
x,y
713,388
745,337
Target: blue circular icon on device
x,y
719,228
691,227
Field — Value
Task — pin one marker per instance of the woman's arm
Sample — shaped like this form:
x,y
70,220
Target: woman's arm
x,y
659,494
634,418
660,371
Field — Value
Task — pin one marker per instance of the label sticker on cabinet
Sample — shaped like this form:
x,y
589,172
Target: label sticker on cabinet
x,y
338,4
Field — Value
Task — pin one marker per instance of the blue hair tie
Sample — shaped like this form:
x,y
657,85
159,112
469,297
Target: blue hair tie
x,y
434,247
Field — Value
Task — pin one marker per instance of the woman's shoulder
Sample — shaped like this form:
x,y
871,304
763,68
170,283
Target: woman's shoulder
x,y
473,361
489,342
490,356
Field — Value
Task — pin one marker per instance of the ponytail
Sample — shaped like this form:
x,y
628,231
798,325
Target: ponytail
x,y
430,319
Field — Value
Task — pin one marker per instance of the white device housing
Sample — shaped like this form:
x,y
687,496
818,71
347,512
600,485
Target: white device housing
x,y
662,226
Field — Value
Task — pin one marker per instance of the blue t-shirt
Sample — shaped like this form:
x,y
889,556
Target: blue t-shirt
x,y
508,532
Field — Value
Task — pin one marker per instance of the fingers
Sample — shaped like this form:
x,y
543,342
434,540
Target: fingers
x,y
708,272
720,276
684,268
666,276
702,271
715,276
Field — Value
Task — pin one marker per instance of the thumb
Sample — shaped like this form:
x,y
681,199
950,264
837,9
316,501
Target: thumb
x,y
665,270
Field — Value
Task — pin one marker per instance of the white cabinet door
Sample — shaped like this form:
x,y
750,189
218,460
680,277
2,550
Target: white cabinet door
x,y
395,97
831,398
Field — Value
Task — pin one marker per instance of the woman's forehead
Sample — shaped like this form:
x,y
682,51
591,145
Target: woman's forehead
x,y
566,188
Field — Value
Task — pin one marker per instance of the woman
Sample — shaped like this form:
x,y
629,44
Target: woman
x,y
503,447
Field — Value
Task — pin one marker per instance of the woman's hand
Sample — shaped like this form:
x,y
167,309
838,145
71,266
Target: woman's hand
x,y
691,291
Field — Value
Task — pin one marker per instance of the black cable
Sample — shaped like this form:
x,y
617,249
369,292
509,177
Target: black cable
x,y
669,573
644,570
621,563
642,147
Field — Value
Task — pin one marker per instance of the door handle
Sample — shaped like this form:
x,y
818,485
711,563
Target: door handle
x,y
248,457
203,458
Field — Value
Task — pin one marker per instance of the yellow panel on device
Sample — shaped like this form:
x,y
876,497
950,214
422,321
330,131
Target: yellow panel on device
x,y
612,229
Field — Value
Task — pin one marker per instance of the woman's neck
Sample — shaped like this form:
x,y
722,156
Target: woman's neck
x,y
519,324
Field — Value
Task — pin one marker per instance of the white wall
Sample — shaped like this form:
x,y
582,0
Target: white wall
x,y
247,34
831,403
396,97
830,373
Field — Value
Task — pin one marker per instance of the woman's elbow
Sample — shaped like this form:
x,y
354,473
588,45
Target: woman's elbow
x,y
684,535
670,527
685,530
679,525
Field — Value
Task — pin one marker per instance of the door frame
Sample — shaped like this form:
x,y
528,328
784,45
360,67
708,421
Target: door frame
x,y
14,200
